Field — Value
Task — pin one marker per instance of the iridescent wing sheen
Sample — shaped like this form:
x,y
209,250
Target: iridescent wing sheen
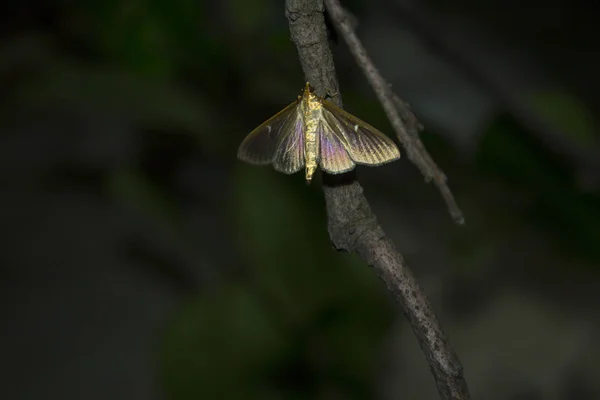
x,y
333,155
260,145
364,144
289,151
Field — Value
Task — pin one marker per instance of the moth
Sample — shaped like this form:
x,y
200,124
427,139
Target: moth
x,y
314,132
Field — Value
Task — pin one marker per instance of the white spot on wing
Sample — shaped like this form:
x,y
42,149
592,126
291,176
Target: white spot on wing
x,y
269,128
355,128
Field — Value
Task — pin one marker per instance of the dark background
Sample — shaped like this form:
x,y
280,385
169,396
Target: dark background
x,y
141,260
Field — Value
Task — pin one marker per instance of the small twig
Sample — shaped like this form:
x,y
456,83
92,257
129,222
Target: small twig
x,y
584,158
352,225
398,112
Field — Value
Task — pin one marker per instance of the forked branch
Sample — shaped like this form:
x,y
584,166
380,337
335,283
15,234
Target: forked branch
x,y
352,225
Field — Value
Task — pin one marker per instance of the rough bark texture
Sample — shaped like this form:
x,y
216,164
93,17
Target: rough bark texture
x,y
352,225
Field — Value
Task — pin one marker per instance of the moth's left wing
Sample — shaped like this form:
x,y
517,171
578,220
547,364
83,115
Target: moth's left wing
x,y
260,145
364,143
289,150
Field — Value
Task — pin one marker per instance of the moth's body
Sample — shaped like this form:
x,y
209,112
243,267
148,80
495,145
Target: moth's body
x,y
313,132
312,112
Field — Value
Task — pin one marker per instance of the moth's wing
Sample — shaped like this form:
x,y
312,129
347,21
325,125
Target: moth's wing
x,y
365,144
289,150
333,155
260,144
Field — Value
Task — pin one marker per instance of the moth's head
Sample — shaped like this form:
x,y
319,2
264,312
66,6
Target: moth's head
x,y
308,89
308,94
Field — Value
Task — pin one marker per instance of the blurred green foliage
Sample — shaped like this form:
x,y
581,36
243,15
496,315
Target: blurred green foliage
x,y
302,321
150,37
556,205
134,190
567,113
305,321
77,89
223,345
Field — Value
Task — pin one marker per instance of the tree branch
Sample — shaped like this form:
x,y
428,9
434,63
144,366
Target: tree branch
x,y
403,120
352,225
583,158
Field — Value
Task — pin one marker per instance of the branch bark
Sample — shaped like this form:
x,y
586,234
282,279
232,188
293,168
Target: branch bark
x,y
352,225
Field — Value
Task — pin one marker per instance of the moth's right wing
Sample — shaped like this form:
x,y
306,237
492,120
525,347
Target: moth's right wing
x,y
333,157
260,146
364,143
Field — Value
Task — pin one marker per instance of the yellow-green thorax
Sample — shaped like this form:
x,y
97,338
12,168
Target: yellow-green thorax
x,y
311,111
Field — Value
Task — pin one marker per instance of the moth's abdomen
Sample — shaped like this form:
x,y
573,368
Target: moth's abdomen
x,y
312,117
